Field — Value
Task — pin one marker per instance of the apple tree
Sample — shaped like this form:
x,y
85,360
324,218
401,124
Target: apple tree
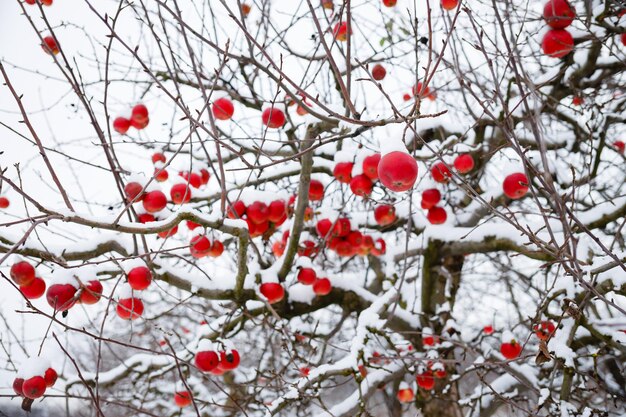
x,y
305,208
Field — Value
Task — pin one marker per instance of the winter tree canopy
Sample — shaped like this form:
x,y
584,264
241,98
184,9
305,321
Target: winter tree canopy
x,y
380,208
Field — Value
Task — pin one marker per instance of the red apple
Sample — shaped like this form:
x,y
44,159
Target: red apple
x,y
619,146
379,72
340,31
205,176
440,373
558,14
361,185
421,90
229,360
464,163
430,198
405,395
425,380
273,291
544,330
34,387
158,157
146,218
61,296
278,248
370,166
192,225
511,350
577,100
161,174
384,214
390,3
200,246
515,186
328,4
195,180
430,340
180,193
182,399
488,329
22,273
216,249
440,173
50,46
154,201
342,227
258,212
557,43
139,124
91,292
322,286
316,190
133,191
323,227
206,361
257,229
4,202
343,172
307,248
35,289
397,171
223,109
50,377
121,125
437,215
355,238
139,114
168,233
449,4
307,276
139,278
273,118
245,9
277,211
129,308
18,383
236,210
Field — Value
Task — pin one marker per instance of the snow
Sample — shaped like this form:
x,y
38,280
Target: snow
x,y
63,277
562,351
35,366
299,293
124,292
206,345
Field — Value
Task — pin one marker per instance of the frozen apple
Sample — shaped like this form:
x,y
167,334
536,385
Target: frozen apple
x,y
397,171
515,186
223,109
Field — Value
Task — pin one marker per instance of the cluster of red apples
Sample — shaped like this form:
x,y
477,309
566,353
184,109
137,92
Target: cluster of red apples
x,y
33,381
345,241
259,216
216,361
139,119
60,296
66,293
511,348
558,42
129,304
